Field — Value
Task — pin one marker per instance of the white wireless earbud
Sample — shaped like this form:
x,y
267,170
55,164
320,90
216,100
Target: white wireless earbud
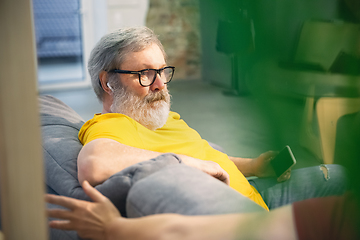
x,y
107,84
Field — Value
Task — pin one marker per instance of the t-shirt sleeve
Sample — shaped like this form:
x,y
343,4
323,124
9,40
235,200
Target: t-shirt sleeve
x,y
120,129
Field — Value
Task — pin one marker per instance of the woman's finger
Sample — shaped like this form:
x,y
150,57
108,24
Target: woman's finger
x,y
61,224
63,201
94,194
60,214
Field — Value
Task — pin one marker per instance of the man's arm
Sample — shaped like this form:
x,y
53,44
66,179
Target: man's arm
x,y
103,157
259,166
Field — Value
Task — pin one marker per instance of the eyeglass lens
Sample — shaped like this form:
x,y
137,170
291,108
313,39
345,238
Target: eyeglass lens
x,y
148,76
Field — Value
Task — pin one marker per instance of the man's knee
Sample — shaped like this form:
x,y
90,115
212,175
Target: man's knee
x,y
335,176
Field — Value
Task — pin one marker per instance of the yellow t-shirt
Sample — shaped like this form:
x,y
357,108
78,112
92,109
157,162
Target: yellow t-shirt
x,y
174,137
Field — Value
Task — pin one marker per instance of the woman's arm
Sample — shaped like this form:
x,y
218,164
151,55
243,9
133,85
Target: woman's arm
x,y
101,220
89,219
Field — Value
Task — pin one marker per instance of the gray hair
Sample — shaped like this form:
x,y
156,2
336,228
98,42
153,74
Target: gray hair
x,y
109,53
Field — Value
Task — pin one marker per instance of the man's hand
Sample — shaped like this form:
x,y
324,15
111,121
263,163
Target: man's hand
x,y
89,219
259,167
262,168
209,167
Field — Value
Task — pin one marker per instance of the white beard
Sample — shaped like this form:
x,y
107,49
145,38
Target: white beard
x,y
152,111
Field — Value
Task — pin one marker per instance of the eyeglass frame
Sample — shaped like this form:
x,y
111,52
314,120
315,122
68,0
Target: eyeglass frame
x,y
158,71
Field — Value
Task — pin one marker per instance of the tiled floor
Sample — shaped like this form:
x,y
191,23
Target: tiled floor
x,y
244,126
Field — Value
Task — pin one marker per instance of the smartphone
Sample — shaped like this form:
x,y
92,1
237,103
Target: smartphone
x,y
283,161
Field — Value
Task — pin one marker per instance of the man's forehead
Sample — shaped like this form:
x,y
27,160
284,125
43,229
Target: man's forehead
x,y
149,57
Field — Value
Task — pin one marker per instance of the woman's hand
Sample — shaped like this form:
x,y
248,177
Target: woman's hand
x,y
89,219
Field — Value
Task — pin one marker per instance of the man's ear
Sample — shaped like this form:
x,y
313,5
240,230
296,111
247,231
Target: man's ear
x,y
104,82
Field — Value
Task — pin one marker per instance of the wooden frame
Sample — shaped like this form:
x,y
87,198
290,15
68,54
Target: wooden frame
x,y
21,164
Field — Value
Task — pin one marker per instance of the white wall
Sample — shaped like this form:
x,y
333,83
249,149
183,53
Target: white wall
x,y
125,13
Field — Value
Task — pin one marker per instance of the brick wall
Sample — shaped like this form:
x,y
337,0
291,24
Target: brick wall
x,y
177,24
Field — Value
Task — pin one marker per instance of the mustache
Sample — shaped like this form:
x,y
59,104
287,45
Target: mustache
x,y
156,96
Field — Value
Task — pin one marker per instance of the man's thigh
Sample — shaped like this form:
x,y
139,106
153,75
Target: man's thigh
x,y
305,183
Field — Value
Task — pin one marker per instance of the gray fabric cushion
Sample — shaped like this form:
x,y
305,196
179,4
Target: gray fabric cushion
x,y
182,189
60,126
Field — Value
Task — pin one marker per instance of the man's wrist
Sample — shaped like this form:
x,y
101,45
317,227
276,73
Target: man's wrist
x,y
245,165
251,170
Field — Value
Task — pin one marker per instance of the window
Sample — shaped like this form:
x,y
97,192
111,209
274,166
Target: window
x,y
59,33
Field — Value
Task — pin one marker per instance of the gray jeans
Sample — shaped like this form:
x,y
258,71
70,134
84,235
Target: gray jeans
x,y
165,185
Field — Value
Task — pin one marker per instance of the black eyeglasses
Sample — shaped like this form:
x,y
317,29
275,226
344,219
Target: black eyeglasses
x,y
148,76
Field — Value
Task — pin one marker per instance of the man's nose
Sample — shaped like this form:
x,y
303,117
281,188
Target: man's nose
x,y
158,83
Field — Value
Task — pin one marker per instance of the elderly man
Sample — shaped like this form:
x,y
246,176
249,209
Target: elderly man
x,y
129,75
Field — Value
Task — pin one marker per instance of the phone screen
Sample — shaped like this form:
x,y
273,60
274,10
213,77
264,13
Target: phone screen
x,y
283,161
